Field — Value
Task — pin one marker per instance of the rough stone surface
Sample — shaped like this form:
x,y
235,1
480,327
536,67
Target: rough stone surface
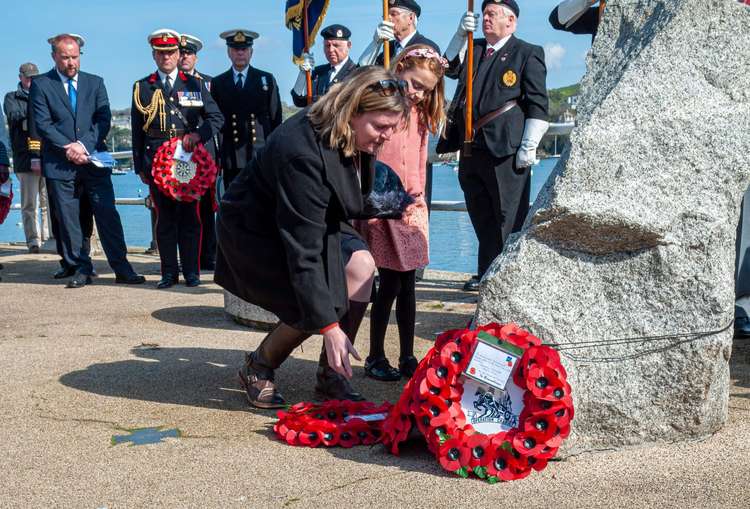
x,y
634,233
248,314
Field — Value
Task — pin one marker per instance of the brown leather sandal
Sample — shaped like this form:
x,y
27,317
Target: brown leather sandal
x,y
259,386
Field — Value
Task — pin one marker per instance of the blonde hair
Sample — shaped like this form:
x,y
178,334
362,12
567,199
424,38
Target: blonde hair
x,y
432,107
359,93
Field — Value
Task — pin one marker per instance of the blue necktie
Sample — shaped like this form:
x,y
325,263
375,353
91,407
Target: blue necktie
x,y
72,95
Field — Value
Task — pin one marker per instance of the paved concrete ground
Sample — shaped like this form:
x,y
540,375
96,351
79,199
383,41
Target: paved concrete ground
x,y
79,366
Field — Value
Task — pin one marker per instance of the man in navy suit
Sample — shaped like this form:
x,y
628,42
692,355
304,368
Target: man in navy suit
x,y
72,117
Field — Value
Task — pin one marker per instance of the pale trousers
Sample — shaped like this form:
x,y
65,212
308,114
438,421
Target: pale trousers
x,y
34,201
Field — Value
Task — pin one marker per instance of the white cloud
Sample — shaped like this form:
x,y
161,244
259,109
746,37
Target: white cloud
x,y
553,55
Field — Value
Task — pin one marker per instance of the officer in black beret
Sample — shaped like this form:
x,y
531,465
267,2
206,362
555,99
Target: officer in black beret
x,y
510,117
400,31
336,46
249,99
577,16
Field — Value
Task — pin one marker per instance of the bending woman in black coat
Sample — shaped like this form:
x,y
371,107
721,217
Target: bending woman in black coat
x,y
280,229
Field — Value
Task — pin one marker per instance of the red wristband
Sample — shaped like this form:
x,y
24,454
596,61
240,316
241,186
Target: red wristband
x,y
329,327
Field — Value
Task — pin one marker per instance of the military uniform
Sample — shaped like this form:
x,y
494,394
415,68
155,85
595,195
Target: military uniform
x,y
397,46
321,75
188,108
252,111
208,205
512,81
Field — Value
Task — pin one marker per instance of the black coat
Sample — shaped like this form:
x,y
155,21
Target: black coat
x,y
516,72
205,119
279,227
417,39
251,116
588,23
321,83
16,106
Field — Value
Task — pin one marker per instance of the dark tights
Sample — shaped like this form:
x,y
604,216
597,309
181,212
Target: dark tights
x,y
398,286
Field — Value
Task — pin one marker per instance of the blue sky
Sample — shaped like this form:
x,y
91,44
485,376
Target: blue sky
x,y
116,31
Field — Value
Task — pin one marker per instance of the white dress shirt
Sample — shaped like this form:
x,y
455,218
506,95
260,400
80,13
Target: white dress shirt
x,y
172,77
65,80
338,67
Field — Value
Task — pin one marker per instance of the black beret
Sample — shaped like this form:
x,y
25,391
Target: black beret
x,y
406,4
337,32
511,4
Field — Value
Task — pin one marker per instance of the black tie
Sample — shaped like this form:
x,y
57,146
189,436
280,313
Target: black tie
x,y
168,86
239,82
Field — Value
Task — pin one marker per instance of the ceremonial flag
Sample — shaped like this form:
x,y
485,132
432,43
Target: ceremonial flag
x,y
294,20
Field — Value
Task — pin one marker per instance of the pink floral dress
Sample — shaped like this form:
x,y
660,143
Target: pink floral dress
x,y
403,244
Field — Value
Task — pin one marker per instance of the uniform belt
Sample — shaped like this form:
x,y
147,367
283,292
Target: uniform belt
x,y
492,115
165,135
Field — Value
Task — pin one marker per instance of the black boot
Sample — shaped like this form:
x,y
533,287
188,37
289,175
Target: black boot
x,y
332,385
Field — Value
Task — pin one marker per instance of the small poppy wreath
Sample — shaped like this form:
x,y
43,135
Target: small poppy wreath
x,y
204,178
5,202
431,400
333,423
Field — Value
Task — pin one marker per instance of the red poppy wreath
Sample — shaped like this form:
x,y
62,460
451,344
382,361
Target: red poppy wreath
x,y
493,402
183,180
5,202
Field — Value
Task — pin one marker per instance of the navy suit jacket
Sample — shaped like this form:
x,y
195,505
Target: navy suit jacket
x,y
57,125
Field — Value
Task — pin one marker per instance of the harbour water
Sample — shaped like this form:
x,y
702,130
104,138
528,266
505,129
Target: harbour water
x,y
453,246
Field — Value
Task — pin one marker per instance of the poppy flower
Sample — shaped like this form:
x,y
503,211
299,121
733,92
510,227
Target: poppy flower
x,y
348,437
528,443
451,354
311,438
479,445
291,437
501,464
544,383
453,454
544,424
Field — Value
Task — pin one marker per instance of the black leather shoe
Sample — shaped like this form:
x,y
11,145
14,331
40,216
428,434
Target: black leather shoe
x,y
192,280
64,273
132,279
472,285
381,369
79,281
167,281
742,327
332,386
407,366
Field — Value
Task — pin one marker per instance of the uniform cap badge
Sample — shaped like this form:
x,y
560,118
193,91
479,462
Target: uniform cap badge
x,y
509,78
239,37
339,33
183,41
165,37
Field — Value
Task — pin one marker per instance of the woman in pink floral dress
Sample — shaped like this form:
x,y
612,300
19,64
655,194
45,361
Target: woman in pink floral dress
x,y
401,246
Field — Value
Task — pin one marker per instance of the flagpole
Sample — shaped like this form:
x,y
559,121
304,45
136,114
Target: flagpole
x,y
386,44
469,133
307,50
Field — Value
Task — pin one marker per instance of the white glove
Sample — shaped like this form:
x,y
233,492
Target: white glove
x,y
457,46
533,132
468,23
308,63
569,11
384,32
